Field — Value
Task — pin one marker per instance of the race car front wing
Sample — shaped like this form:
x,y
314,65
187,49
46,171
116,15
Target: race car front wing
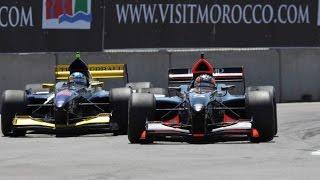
x,y
29,123
160,131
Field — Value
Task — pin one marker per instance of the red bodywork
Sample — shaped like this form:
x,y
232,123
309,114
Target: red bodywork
x,y
202,66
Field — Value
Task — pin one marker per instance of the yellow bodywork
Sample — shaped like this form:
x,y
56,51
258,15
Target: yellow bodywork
x,y
103,118
97,71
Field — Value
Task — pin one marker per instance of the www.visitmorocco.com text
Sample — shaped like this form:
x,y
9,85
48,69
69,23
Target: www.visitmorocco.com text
x,y
212,14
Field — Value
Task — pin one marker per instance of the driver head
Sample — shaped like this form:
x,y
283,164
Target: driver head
x,y
78,78
205,80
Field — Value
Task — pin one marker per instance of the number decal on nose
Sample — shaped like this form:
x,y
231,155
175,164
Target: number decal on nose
x,y
64,93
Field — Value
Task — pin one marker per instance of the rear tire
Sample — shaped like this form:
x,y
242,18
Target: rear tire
x,y
13,102
119,98
139,85
272,92
260,108
141,109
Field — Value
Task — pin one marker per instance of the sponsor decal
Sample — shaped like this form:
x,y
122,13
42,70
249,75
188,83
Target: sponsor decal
x,y
94,67
106,67
202,13
219,70
14,16
66,14
64,93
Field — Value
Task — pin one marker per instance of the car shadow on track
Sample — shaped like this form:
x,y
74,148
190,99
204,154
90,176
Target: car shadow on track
x,y
35,136
161,143
224,140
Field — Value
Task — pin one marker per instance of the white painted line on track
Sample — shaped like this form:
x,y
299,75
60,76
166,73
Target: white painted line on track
x,y
316,153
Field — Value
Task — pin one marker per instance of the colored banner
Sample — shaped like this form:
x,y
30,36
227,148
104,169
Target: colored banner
x,y
66,14
50,25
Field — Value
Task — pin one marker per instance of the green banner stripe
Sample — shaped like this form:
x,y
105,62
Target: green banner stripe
x,y
81,5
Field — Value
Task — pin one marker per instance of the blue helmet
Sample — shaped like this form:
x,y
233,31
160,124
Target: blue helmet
x,y
78,78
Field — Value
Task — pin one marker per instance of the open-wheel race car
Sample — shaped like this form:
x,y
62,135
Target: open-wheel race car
x,y
203,108
75,104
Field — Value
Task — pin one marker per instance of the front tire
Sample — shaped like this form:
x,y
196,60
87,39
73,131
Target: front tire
x,y
272,92
260,109
13,102
119,98
141,109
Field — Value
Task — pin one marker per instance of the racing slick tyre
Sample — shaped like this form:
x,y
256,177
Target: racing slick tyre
x,y
13,102
159,91
272,92
34,88
259,105
141,108
119,98
139,85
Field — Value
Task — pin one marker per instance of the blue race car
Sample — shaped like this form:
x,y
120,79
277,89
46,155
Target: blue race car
x,y
75,104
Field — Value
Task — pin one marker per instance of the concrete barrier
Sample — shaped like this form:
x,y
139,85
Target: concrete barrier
x,y
300,70
18,70
293,72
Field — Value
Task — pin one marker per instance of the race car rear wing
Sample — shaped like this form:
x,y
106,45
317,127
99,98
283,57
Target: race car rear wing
x,y
184,76
97,71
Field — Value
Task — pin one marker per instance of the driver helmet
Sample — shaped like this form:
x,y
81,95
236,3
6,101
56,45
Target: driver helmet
x,y
78,78
205,80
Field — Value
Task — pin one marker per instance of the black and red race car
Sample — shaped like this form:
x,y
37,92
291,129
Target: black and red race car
x,y
203,108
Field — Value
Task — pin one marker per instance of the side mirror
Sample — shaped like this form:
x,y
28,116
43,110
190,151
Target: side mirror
x,y
48,86
228,87
96,84
175,88
174,91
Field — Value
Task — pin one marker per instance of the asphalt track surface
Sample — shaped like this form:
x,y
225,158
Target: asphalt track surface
x,y
92,157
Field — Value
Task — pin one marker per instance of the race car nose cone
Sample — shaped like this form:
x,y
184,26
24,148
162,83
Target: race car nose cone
x,y
198,107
